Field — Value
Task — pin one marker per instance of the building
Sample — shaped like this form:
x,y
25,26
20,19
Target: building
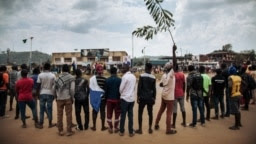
x,y
222,56
89,56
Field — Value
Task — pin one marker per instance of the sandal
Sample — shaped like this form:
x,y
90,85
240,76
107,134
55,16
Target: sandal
x,y
171,132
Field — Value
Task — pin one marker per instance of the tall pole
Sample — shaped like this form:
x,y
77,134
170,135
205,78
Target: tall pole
x,y
132,50
144,57
31,38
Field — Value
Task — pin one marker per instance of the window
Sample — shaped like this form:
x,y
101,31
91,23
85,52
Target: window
x,y
115,58
57,59
67,60
79,59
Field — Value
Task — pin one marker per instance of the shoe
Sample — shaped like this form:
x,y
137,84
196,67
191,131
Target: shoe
x,y
93,128
70,133
86,127
171,132
184,124
240,125
110,130
138,131
222,116
16,117
215,118
121,134
234,127
150,131
116,130
52,125
173,126
132,134
73,125
27,117
5,116
24,126
37,125
78,129
203,124
61,133
192,125
156,127
104,128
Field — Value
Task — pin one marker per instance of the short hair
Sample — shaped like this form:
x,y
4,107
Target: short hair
x,y
24,72
202,69
191,68
78,72
36,70
24,66
126,67
218,71
3,68
148,66
14,67
223,65
65,68
47,66
113,70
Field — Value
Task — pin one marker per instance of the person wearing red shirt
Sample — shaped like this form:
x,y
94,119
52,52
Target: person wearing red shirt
x,y
179,96
24,88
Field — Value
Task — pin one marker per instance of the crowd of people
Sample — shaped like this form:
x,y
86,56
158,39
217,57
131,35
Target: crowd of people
x,y
118,96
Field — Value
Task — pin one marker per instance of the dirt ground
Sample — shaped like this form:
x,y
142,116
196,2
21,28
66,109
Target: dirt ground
x,y
215,131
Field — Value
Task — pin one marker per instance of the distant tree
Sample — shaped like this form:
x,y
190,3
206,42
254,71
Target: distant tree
x,y
162,18
227,47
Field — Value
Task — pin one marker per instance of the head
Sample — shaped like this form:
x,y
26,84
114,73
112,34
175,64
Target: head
x,y
243,69
202,69
65,68
24,66
223,66
14,67
232,70
126,68
218,71
3,68
47,66
148,67
168,66
99,69
36,71
113,71
191,68
176,68
78,73
24,73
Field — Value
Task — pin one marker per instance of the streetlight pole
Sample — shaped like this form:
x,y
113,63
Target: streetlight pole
x,y
144,57
132,50
31,38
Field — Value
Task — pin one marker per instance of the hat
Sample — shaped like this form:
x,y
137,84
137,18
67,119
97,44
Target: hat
x,y
232,70
168,65
99,67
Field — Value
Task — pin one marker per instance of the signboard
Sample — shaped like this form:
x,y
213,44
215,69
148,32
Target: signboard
x,y
95,53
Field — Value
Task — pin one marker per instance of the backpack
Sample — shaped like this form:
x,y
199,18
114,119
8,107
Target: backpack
x,y
197,82
251,83
1,79
80,89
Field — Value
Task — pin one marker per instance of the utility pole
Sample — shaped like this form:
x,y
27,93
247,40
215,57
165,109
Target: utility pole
x,y
31,38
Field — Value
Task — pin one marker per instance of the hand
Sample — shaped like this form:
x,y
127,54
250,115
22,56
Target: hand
x,y
174,47
161,85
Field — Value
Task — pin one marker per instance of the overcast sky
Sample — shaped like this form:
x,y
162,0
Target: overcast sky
x,y
64,25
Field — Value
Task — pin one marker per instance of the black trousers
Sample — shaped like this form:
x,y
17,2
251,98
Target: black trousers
x,y
3,100
150,113
102,113
78,107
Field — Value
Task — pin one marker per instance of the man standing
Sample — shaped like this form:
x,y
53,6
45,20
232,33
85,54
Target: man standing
x,y
179,96
4,86
195,93
46,81
168,84
81,100
24,88
127,89
65,90
13,79
146,93
113,99
206,89
225,74
218,86
234,83
97,97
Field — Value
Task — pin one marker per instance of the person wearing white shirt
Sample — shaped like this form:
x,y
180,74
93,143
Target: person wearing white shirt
x,y
127,89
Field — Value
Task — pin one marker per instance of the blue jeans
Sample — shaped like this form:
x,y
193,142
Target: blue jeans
x,y
45,102
126,107
219,99
32,106
197,102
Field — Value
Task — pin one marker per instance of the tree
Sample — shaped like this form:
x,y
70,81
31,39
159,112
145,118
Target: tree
x,y
227,47
162,18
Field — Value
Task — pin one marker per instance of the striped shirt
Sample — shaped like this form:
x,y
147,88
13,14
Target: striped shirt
x,y
101,81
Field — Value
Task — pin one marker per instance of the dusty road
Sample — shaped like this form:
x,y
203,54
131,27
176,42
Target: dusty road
x,y
215,132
